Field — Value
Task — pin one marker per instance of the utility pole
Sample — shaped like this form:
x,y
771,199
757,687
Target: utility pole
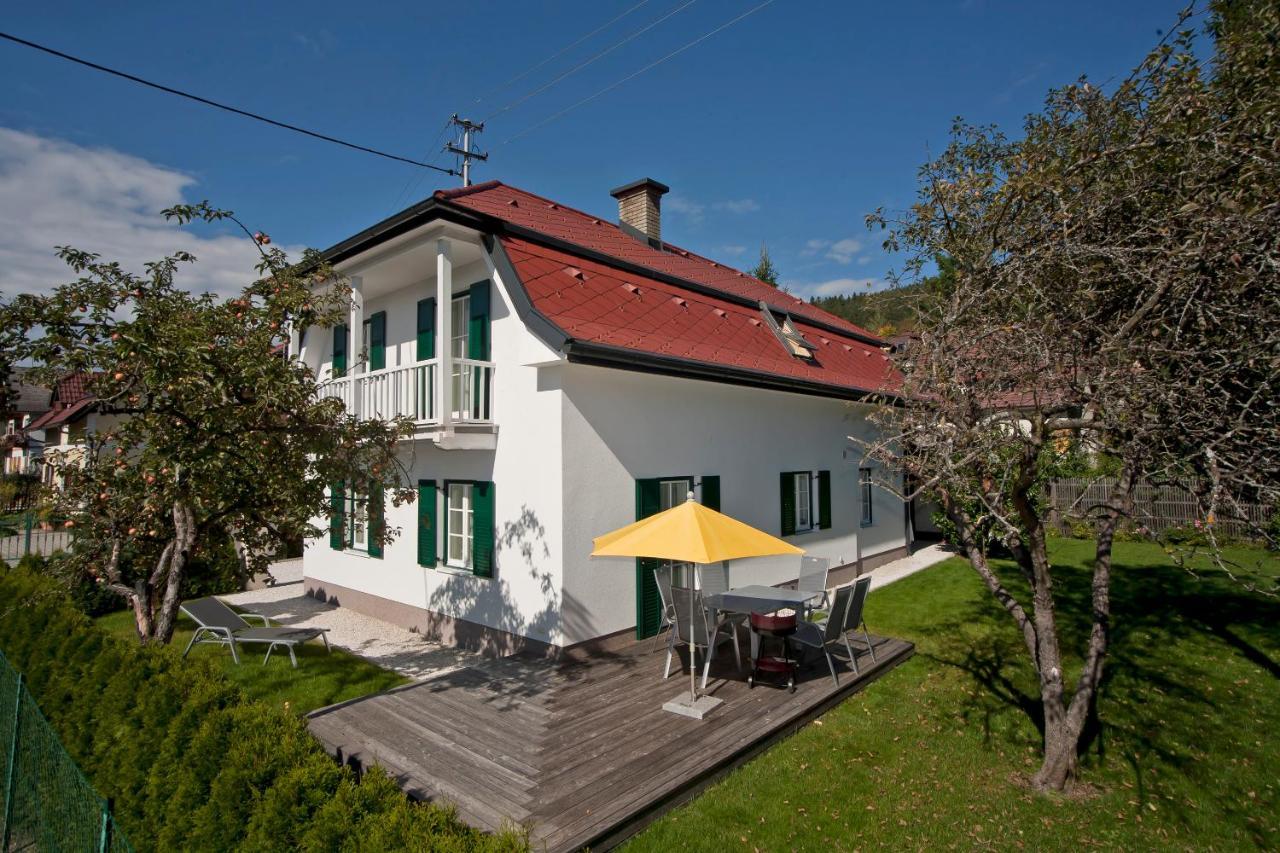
x,y
468,127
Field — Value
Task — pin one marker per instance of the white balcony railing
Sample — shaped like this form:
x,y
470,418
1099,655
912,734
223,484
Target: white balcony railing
x,y
472,390
413,391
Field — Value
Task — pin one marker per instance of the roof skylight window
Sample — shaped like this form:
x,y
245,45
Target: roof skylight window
x,y
788,335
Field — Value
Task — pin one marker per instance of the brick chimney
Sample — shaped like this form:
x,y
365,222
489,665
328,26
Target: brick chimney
x,y
640,209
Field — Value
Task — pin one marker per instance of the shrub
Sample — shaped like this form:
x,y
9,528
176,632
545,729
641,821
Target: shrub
x,y
190,763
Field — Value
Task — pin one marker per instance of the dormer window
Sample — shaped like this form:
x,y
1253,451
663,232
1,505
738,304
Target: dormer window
x,y
788,335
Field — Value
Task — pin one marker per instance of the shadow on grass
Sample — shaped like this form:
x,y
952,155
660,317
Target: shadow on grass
x,y
1180,644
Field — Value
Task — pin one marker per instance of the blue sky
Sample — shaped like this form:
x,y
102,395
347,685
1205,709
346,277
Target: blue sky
x,y
786,128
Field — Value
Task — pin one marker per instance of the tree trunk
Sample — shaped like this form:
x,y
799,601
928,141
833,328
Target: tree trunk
x,y
1060,761
1061,743
183,541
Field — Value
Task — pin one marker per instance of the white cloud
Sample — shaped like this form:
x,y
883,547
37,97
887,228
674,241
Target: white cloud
x,y
732,250
836,287
842,251
696,211
319,43
685,206
740,205
56,193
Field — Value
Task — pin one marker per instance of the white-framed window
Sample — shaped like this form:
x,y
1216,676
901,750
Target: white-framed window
x,y
460,347
672,493
864,486
804,500
460,326
459,504
357,521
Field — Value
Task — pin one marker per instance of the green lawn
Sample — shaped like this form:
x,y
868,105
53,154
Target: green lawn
x,y
931,755
320,679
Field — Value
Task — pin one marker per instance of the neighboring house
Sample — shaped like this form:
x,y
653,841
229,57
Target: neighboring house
x,y
72,416
22,448
569,375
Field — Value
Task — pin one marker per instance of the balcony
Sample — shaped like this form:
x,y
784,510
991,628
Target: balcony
x,y
414,391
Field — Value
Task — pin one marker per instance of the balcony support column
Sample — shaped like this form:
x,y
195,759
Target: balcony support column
x,y
355,343
444,316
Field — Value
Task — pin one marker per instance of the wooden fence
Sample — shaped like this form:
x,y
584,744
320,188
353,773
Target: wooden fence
x,y
1159,508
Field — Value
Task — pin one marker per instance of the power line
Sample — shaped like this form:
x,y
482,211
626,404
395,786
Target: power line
x,y
315,135
561,52
635,74
411,185
468,127
575,69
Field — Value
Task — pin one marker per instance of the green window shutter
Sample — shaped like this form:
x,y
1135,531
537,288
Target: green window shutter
x,y
426,329
824,499
337,505
788,500
427,523
483,522
377,522
340,350
711,492
378,341
478,331
648,601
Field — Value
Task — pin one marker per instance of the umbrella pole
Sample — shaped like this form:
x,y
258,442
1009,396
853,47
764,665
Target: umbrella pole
x,y
695,574
694,705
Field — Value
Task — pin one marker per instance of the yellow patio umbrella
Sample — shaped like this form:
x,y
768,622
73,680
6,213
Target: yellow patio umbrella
x,y
690,533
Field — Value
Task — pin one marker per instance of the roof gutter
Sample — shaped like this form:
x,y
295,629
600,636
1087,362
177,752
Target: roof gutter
x,y
605,355
403,222
535,320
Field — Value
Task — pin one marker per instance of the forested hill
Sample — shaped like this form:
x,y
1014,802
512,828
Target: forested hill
x,y
884,312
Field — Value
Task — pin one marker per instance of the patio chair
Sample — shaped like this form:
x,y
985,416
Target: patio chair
x,y
853,620
826,633
218,624
698,633
715,579
662,576
813,578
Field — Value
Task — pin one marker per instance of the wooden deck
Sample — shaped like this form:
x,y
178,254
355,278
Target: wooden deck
x,y
580,752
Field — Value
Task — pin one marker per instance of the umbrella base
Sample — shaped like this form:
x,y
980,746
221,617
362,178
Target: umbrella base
x,y
686,706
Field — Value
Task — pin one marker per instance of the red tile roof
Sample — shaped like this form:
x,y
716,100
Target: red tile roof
x,y
603,304
565,223
594,302
71,397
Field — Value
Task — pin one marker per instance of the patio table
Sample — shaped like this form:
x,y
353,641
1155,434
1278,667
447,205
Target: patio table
x,y
759,598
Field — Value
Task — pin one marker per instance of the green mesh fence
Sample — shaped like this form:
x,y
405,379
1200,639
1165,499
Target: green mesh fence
x,y
48,803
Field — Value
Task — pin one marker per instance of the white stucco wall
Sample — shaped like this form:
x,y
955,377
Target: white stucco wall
x,y
523,596
571,442
620,426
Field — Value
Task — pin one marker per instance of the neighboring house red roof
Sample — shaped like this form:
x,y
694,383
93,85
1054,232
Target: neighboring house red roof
x,y
71,397
594,301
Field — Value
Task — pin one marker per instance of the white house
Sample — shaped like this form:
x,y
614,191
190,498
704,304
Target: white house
x,y
569,375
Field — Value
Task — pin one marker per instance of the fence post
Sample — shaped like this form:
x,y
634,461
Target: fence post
x,y
27,524
13,755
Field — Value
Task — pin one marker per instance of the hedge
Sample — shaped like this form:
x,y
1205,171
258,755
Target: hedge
x,y
187,761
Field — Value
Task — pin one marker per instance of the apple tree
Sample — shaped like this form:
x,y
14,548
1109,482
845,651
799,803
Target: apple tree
x,y
208,432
